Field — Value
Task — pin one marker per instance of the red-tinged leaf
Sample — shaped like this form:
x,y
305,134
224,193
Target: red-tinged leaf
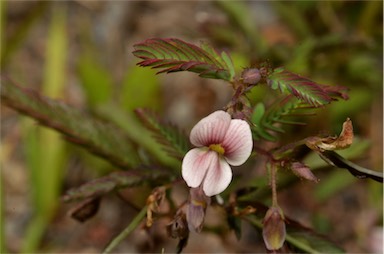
x,y
315,94
336,91
173,55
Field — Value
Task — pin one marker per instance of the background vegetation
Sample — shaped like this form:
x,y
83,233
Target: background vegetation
x,y
80,52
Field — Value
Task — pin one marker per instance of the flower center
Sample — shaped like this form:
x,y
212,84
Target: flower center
x,y
217,148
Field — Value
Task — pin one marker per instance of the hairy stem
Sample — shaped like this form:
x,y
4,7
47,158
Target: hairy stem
x,y
273,170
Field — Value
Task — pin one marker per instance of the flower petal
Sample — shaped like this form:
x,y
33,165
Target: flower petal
x,y
195,165
238,142
219,176
211,129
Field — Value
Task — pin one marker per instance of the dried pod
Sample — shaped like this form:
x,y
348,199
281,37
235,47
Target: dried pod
x,y
274,229
153,202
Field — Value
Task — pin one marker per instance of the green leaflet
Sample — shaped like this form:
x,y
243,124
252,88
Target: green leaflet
x,y
280,112
174,142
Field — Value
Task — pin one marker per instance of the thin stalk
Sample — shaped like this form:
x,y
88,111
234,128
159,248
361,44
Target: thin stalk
x,y
135,222
273,184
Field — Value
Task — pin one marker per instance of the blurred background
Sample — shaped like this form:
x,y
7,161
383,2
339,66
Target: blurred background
x,y
79,52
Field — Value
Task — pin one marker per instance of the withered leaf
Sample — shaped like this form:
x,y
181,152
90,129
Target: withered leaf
x,y
344,140
86,209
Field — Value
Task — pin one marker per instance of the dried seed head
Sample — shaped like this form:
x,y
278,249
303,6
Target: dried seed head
x,y
178,227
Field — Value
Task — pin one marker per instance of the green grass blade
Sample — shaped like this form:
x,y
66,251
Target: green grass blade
x,y
48,158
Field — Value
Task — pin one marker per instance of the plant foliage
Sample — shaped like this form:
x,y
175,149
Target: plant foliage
x,y
113,181
314,94
174,142
172,55
281,112
102,139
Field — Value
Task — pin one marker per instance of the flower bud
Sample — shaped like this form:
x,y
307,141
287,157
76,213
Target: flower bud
x,y
274,229
303,171
196,209
251,76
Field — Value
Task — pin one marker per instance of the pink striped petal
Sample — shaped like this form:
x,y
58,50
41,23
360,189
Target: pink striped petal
x,y
211,129
195,165
219,176
238,142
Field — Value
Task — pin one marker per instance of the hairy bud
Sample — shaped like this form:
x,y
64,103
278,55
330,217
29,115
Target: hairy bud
x,y
303,171
251,76
274,229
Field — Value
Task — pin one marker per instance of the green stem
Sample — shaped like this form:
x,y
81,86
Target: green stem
x,y
300,245
126,231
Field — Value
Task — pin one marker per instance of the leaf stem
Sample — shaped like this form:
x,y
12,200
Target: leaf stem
x,y
126,231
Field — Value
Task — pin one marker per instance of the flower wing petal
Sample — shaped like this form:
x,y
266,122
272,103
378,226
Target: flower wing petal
x,y
211,129
195,165
219,176
238,142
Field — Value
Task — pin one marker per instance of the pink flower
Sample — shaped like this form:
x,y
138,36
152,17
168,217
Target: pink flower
x,y
221,142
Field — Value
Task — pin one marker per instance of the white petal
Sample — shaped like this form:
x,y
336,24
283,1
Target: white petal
x,y
238,142
195,165
211,129
219,176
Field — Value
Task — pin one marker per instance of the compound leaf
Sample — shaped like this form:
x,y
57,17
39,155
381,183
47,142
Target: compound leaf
x,y
314,94
281,112
174,142
173,55
104,140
